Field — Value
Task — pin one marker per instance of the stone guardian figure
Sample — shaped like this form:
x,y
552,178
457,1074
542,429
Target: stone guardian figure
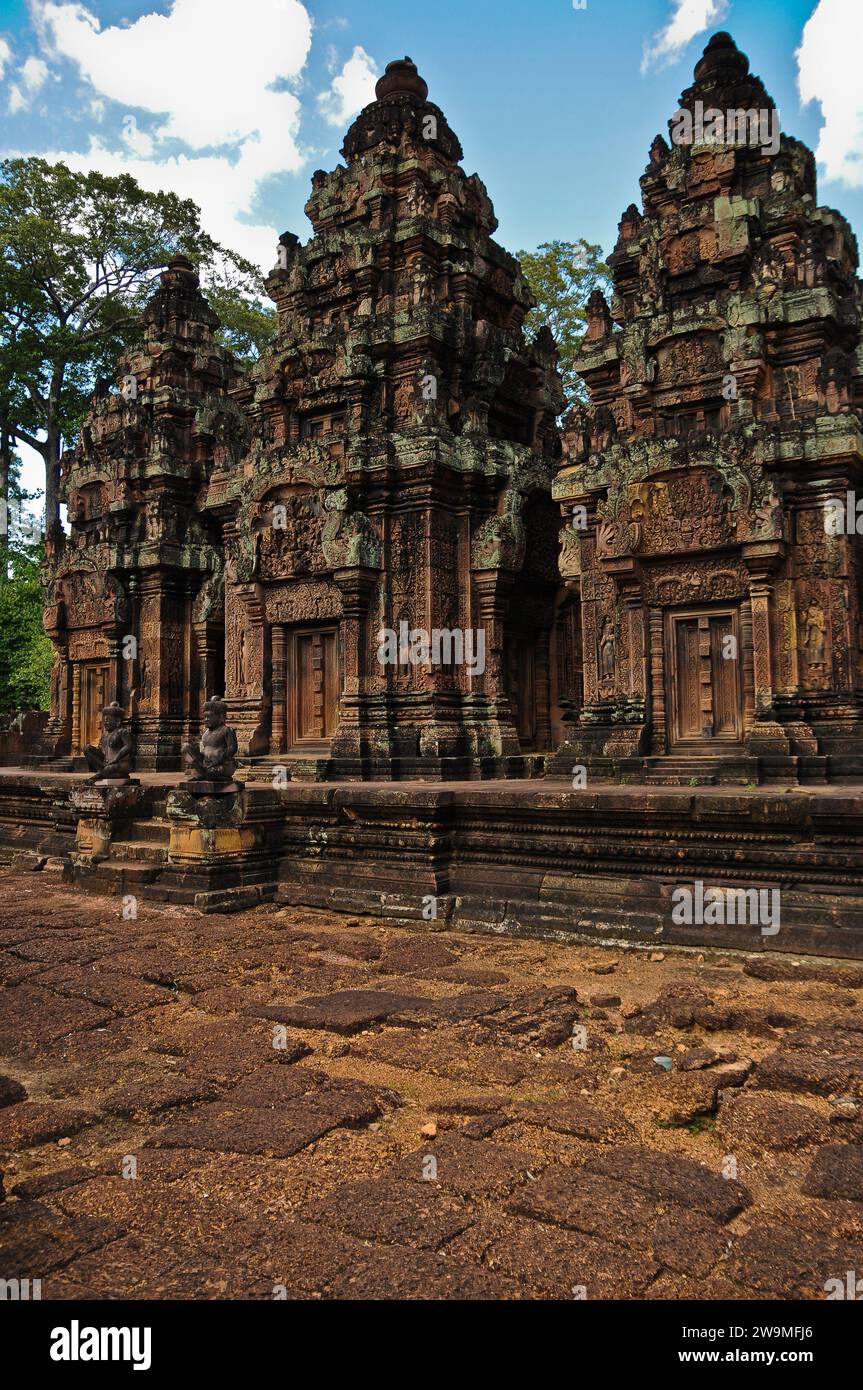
x,y
211,765
113,759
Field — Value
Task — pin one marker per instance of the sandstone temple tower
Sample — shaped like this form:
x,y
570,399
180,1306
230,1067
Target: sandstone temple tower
x,y
384,468
355,542
134,593
720,602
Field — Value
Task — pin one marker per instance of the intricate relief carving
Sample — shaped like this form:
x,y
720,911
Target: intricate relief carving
x,y
813,629
300,603
90,598
87,645
672,584
607,651
689,359
288,531
692,511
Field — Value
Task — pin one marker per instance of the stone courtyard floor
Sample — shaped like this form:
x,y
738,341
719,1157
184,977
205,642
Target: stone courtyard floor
x,y
284,1103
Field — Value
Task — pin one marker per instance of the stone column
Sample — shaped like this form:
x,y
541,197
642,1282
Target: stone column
x,y
628,739
493,588
356,586
658,712
278,732
766,736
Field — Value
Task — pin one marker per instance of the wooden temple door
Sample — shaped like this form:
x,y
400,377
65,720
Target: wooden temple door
x,y
522,690
702,650
313,686
94,698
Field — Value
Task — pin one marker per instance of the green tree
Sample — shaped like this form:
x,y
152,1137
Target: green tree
x,y
79,254
563,276
25,652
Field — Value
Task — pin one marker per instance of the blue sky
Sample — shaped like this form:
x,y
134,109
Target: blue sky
x,y
236,102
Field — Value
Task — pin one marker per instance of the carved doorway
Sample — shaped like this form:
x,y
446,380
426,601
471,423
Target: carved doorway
x,y
313,686
522,685
529,690
94,698
704,697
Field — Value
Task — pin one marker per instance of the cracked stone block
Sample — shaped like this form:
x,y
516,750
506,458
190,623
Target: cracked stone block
x,y
467,1167
762,1123
346,1011
680,1180
39,1122
393,1212
582,1118
836,1171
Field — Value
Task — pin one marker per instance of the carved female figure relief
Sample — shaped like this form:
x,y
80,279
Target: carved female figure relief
x,y
240,666
607,651
814,628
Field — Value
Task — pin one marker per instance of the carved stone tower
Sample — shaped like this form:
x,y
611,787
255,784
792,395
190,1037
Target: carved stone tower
x,y
133,602
397,483
721,607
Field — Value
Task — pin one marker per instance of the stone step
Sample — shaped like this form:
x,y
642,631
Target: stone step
x,y
681,771
139,851
844,765
117,872
292,767
155,831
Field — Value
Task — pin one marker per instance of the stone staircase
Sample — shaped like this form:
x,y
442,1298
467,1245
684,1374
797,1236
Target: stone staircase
x,y
135,858
144,844
670,771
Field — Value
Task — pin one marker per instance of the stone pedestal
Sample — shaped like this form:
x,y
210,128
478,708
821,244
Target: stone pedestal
x,y
100,809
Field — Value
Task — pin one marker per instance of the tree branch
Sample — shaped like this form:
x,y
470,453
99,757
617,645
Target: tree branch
x,y
23,435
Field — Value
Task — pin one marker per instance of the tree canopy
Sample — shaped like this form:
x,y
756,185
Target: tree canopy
x,y
25,652
80,252
562,276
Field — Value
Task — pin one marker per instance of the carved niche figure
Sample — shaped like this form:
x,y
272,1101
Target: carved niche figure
x,y
240,667
113,759
152,523
215,758
814,629
607,648
767,523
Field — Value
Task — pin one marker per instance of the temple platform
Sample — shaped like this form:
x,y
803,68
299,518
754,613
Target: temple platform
x,y
531,858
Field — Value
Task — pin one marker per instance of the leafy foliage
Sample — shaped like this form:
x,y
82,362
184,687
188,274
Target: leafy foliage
x,y
79,254
25,652
563,276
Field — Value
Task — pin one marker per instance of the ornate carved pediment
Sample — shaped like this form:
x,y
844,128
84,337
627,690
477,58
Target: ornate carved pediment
x,y
690,358
670,585
287,527
690,511
315,601
86,597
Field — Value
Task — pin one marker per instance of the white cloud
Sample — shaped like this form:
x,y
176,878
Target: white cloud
x,y
828,71
351,90
32,75
205,73
688,18
224,191
5,55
